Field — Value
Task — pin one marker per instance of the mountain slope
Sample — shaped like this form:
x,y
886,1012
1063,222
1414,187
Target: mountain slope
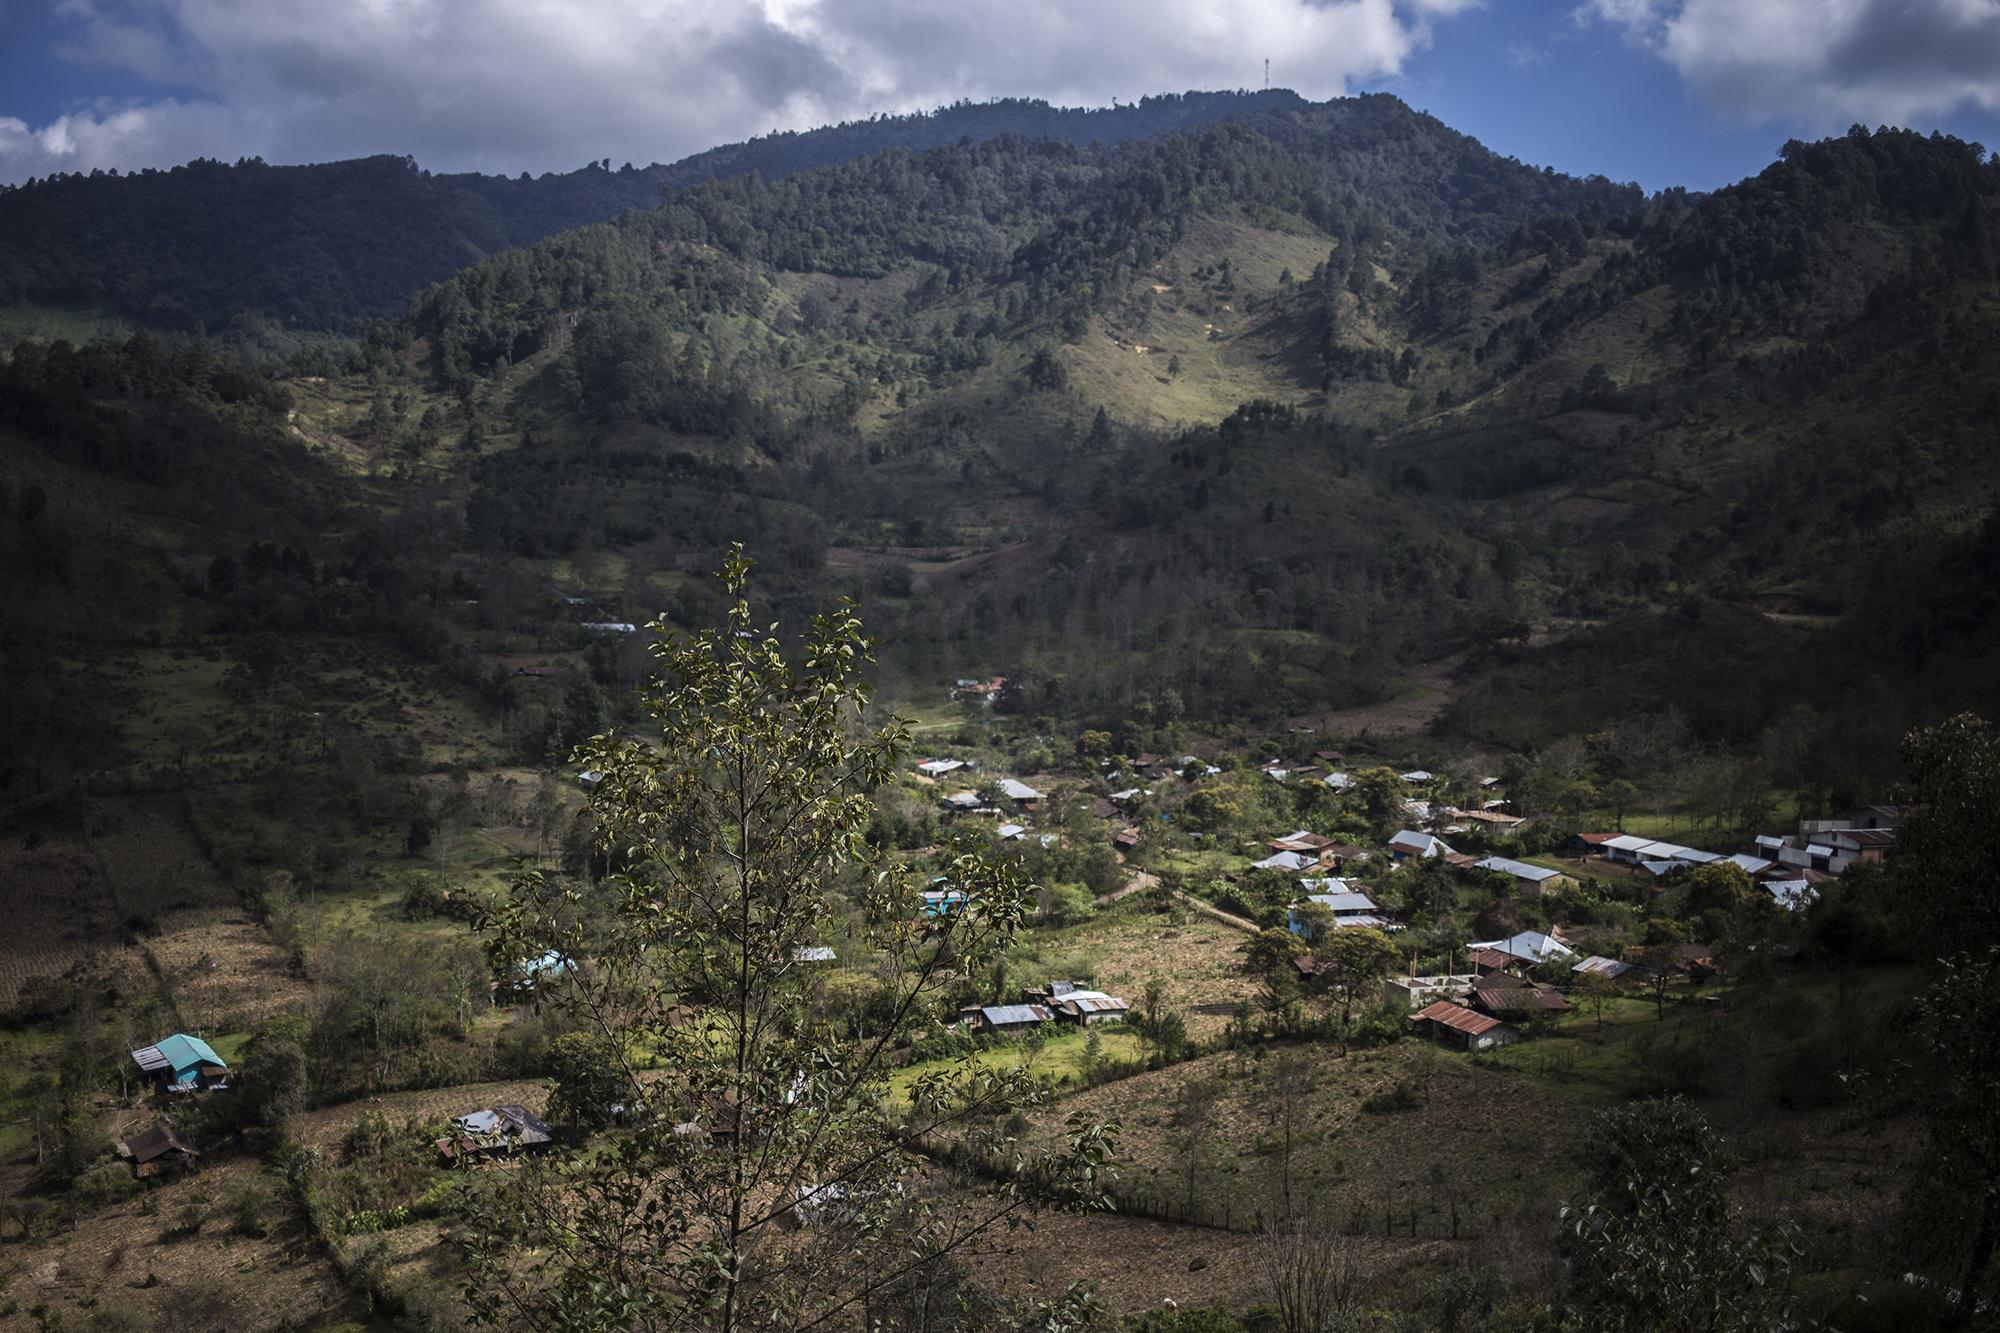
x,y
329,245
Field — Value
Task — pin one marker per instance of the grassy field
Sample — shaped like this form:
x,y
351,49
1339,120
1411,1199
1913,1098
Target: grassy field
x,y
1059,1059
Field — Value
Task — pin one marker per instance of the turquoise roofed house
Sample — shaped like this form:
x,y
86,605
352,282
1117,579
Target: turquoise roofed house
x,y
182,1063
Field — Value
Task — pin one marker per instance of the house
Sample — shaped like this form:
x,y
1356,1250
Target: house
x,y
943,902
547,966
157,1152
1530,946
1583,844
1414,992
611,627
1285,861
1463,1027
1125,839
1339,781
1006,1018
1409,843
1632,850
965,803
1350,907
1504,996
589,778
814,953
182,1064
1490,818
494,1131
1020,793
1867,817
984,691
1791,894
937,768
1087,1008
1301,841
1752,866
1600,966
1417,777
1861,844
1127,796
1012,832
1538,878
1486,962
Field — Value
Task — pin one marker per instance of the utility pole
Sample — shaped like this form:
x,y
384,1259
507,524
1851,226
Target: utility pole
x,y
1267,74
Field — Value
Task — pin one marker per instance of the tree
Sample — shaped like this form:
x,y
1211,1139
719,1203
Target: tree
x,y
1353,961
1959,1032
590,1084
1312,1280
1272,950
733,839
1659,1245
1949,866
1191,1123
1291,1090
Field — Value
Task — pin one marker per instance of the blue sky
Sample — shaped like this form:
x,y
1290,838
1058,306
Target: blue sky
x,y
1664,92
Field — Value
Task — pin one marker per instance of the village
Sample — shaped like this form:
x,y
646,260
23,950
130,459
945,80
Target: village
x,y
1368,906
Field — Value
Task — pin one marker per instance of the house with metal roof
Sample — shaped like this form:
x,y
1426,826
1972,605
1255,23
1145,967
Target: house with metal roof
x,y
1350,906
1019,792
937,768
1463,1027
1085,1008
1539,878
1285,861
159,1151
1409,843
1600,966
494,1131
1005,1018
182,1063
1530,946
1791,894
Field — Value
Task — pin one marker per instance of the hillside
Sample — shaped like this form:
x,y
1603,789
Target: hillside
x,y
212,247
1318,438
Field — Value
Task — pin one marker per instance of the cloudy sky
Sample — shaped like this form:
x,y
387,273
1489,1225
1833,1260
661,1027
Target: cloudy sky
x,y
1664,92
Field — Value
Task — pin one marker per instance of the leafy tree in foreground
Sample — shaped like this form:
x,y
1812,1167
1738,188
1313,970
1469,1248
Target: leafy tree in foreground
x,y
1660,1247
769,1178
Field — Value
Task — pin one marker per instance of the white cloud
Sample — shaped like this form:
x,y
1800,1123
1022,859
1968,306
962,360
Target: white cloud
x,y
1824,62
507,85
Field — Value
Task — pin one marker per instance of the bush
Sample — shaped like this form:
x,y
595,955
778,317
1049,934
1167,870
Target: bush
x,y
1402,1097
248,1201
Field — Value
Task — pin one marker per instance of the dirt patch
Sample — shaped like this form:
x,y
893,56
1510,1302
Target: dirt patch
x,y
211,1279
226,972
1197,959
1421,704
58,914
325,1128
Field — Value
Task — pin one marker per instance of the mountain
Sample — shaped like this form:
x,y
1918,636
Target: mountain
x,y
1306,410
208,245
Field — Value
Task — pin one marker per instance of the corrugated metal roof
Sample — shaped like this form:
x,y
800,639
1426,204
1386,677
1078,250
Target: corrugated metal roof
x,y
1102,1004
1283,861
999,1015
1603,967
1626,842
179,1053
1519,869
1457,1017
1343,902
1019,791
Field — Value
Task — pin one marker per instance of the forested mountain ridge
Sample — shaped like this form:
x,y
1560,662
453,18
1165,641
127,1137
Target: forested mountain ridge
x,y
1268,413
330,245
1600,406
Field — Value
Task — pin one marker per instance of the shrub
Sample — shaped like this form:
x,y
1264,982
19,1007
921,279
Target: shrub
x,y
1402,1097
